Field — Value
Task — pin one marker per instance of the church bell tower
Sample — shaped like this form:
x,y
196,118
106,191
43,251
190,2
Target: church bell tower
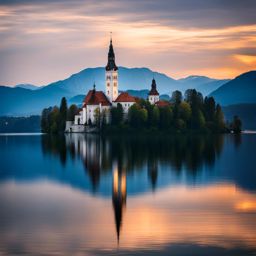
x,y
111,75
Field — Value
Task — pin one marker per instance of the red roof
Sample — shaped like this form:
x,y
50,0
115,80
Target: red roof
x,y
95,98
162,103
125,97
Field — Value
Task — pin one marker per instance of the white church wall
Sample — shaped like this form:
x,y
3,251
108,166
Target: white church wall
x,y
125,105
111,80
153,99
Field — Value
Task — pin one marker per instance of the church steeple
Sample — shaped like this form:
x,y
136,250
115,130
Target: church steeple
x,y
111,75
111,58
153,95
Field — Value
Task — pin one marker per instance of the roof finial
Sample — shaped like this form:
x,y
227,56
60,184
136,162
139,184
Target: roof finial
x,y
94,86
110,36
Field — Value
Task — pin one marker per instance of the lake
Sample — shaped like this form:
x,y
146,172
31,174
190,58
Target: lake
x,y
137,195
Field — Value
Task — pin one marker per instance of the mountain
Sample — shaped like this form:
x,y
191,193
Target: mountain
x,y
242,89
78,99
246,112
203,84
19,101
27,86
129,78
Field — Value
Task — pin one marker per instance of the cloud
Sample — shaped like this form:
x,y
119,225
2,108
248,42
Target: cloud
x,y
176,37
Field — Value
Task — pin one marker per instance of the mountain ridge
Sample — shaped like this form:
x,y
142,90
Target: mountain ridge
x,y
241,89
19,101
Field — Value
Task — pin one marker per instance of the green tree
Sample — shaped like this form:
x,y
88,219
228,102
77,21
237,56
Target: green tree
x,y
72,111
195,99
209,109
137,117
165,117
155,116
97,117
176,97
54,119
219,119
45,120
185,111
117,114
236,125
63,115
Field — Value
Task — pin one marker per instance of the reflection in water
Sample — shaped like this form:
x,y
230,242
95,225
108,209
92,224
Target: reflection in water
x,y
122,155
119,197
169,195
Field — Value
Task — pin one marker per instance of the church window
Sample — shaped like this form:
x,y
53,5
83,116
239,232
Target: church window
x,y
114,84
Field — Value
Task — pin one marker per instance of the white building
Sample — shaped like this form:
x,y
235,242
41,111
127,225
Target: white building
x,y
153,95
98,104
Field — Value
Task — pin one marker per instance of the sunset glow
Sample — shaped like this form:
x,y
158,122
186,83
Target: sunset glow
x,y
44,42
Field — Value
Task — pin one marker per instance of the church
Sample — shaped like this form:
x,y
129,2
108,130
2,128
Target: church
x,y
98,101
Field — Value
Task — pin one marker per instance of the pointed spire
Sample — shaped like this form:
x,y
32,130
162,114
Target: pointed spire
x,y
111,56
153,90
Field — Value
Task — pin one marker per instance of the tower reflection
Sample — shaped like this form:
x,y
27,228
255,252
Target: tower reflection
x,y
115,157
118,197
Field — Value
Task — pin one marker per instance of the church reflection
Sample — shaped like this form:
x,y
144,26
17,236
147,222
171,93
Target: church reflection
x,y
119,197
122,156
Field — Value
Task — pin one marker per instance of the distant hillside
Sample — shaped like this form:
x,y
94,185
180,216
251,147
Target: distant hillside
x,y
203,84
22,102
78,99
27,86
242,89
246,112
20,124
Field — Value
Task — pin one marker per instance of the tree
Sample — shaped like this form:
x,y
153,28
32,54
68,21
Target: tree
x,y
184,111
195,99
209,109
219,118
176,97
236,125
63,114
72,111
117,114
104,119
54,119
137,117
165,117
45,122
155,116
97,117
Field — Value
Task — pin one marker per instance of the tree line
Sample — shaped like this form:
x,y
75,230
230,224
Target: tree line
x,y
53,119
188,112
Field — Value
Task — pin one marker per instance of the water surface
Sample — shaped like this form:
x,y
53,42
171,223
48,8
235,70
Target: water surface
x,y
147,195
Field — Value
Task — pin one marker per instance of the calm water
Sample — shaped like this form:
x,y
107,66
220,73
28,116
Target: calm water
x,y
86,195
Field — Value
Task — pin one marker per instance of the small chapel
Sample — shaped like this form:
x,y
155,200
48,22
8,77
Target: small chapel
x,y
102,102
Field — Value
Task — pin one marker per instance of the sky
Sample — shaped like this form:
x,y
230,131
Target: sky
x,y
46,41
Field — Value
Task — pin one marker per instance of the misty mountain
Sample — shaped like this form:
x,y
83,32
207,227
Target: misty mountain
x,y
27,86
242,89
246,112
203,84
27,101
